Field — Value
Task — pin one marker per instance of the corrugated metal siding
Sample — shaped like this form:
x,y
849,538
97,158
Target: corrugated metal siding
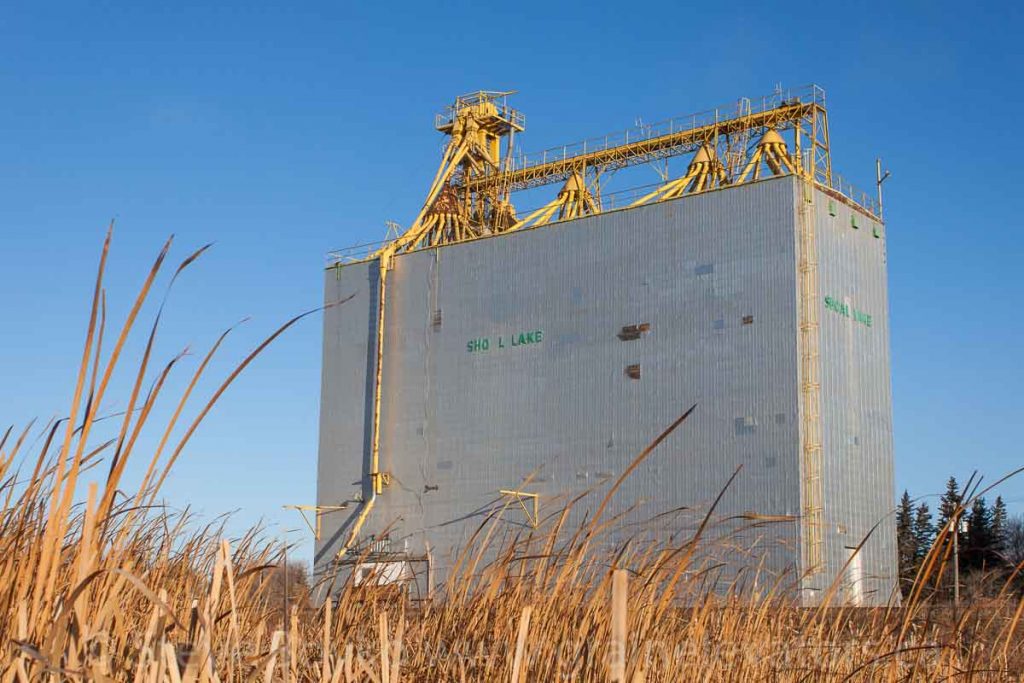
x,y
473,423
856,394
346,393
459,426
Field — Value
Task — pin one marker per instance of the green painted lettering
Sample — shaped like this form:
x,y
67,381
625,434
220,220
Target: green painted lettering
x,y
476,345
518,339
847,311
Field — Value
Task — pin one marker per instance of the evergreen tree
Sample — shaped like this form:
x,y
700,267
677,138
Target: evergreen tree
x,y
949,503
924,531
1013,540
976,550
999,519
906,542
949,509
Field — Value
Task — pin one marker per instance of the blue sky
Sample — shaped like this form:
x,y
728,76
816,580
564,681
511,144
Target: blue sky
x,y
282,130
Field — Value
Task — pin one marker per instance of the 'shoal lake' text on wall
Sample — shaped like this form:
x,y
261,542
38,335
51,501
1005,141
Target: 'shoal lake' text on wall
x,y
481,344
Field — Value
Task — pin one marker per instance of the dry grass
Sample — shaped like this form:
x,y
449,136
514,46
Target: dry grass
x,y
115,588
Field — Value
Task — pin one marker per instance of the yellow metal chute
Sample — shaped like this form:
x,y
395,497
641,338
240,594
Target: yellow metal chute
x,y
771,152
573,200
705,172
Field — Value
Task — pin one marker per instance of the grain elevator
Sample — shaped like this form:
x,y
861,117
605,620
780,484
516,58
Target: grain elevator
x,y
492,361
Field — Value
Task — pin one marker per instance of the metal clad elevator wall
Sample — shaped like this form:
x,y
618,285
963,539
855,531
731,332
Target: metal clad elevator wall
x,y
713,275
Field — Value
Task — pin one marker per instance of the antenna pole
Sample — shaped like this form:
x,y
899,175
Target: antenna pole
x,y
879,179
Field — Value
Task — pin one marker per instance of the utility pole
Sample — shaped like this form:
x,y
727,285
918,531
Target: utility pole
x,y
957,526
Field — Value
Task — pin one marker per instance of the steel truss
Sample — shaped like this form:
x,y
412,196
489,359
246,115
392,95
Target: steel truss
x,y
470,196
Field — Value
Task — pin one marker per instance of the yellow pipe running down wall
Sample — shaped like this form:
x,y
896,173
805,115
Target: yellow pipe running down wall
x,y
453,157
376,476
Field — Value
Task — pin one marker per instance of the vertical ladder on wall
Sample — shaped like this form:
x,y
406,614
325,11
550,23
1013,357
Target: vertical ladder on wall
x,y
811,482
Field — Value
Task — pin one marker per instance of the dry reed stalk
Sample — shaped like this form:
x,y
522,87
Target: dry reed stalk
x,y
118,588
617,647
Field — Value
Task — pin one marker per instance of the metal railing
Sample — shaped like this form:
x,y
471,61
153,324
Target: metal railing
x,y
356,252
499,99
806,94
854,194
619,199
838,184
622,199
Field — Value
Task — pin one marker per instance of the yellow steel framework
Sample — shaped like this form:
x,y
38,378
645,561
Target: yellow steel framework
x,y
705,172
318,512
470,197
573,200
533,512
476,124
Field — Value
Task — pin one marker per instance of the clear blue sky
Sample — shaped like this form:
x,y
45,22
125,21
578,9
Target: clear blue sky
x,y
282,130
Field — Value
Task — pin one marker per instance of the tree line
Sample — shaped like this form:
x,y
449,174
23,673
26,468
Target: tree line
x,y
988,539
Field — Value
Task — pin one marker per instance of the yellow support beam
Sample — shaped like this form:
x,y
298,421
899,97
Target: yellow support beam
x,y
643,151
318,511
521,497
573,200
